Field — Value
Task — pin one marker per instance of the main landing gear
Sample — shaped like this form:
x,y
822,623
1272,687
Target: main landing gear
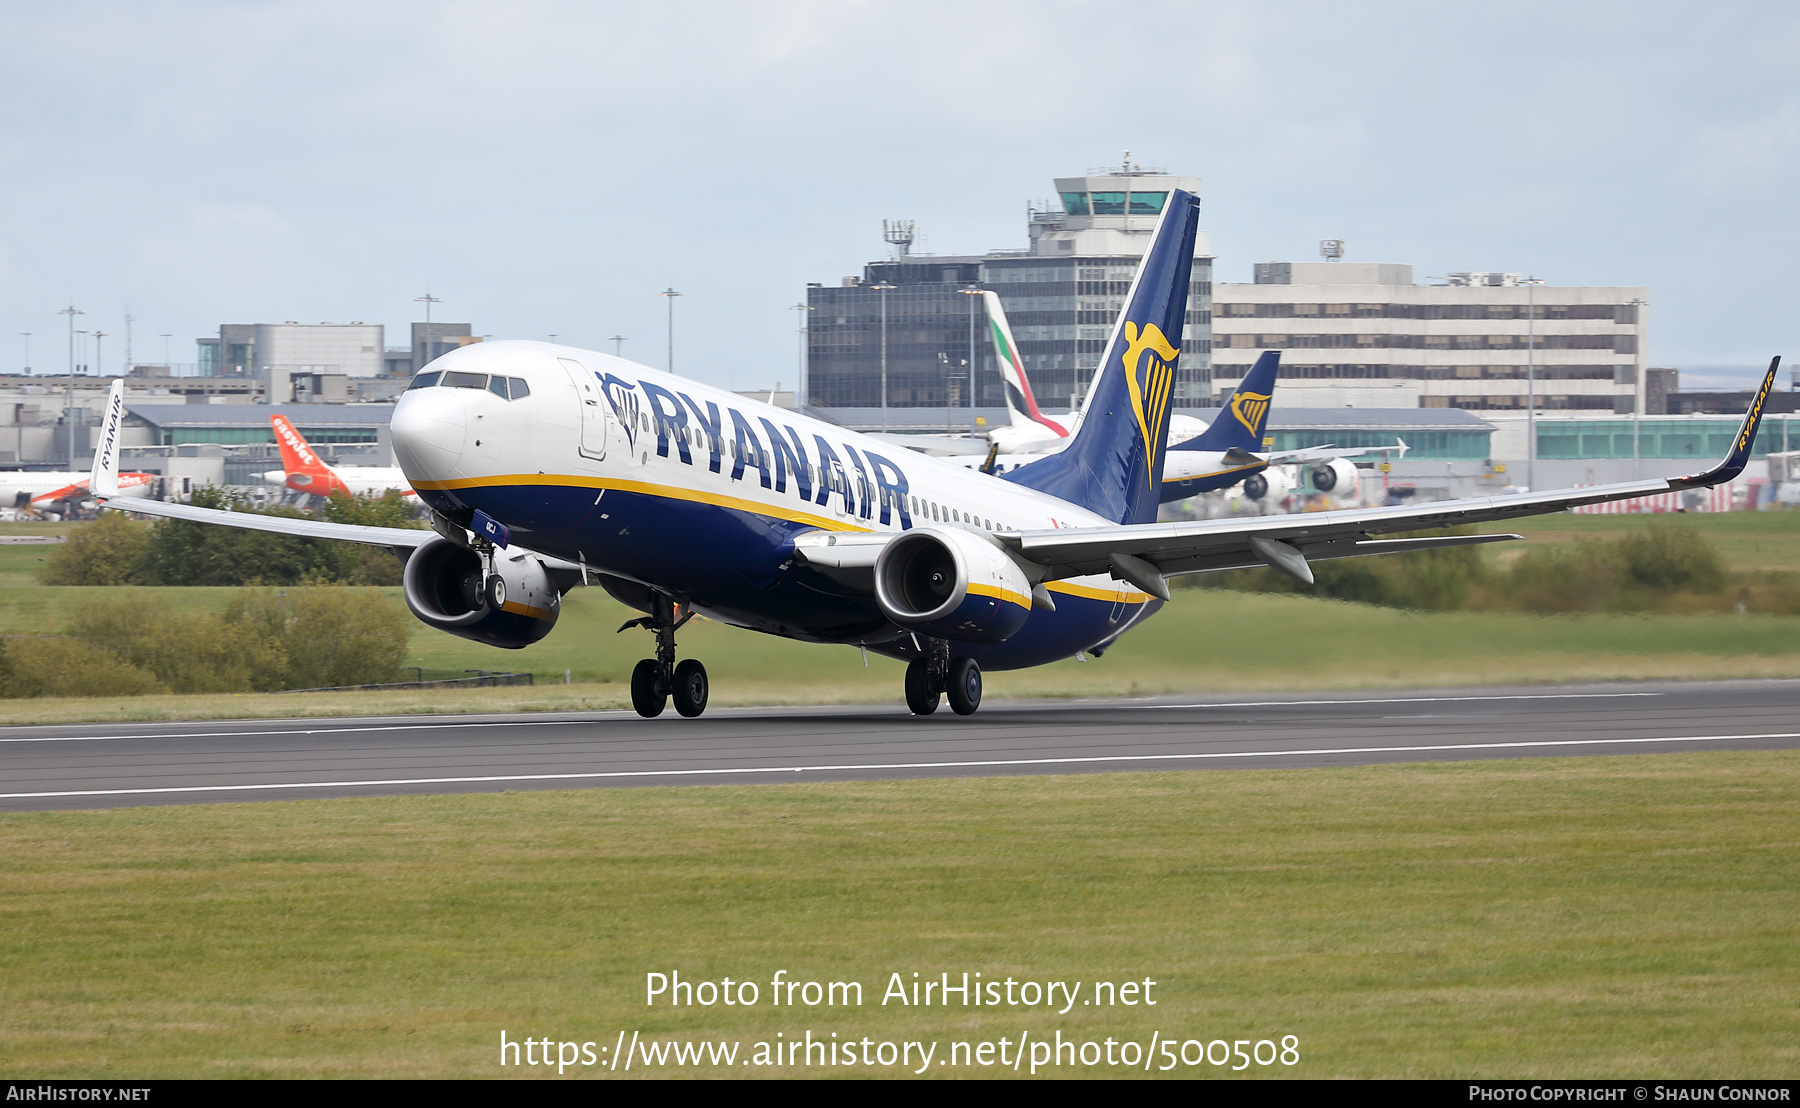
x,y
656,680
935,673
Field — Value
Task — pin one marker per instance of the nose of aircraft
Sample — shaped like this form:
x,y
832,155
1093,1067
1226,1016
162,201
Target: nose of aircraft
x,y
428,429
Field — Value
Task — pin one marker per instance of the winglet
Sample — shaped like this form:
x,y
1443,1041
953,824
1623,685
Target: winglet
x,y
1740,446
103,482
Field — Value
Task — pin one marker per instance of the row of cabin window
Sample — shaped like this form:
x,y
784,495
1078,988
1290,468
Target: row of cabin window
x,y
943,514
506,388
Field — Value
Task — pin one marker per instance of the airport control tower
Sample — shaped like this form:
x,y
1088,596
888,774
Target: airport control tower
x,y
1062,295
1109,213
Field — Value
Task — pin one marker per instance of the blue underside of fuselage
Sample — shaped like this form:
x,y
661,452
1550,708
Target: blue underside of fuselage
x,y
1212,482
739,567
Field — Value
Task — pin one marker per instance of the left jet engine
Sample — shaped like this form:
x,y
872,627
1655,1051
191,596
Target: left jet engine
x,y
447,586
951,584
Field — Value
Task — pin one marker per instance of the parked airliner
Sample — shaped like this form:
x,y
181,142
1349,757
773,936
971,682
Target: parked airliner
x,y
21,488
547,467
304,471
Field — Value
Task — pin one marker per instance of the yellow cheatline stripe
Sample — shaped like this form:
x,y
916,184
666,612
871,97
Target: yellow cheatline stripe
x,y
519,609
667,492
1131,596
999,593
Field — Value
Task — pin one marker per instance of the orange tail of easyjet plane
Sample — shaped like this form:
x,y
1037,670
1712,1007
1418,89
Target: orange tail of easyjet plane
x,y
306,471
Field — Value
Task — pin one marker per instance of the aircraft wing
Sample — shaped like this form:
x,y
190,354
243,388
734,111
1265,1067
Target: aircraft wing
x,y
105,484
1145,554
394,538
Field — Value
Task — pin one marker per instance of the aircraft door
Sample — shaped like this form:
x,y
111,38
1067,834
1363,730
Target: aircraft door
x,y
595,413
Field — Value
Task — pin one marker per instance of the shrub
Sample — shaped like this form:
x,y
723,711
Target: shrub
x,y
109,551
1670,558
59,666
188,652
115,550
1634,572
183,553
328,636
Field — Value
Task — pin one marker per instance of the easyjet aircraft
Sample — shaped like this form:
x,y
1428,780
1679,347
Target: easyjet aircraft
x,y
679,498
40,490
304,471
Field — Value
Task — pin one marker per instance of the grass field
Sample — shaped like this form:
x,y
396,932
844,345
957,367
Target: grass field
x,y
1204,640
1619,916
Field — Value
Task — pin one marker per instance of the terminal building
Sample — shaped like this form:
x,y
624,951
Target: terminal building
x,y
330,363
1061,295
1472,341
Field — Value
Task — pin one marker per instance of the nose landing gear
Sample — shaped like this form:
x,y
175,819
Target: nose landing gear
x,y
935,673
654,681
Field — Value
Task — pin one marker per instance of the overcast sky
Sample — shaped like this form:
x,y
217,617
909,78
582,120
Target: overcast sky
x,y
547,168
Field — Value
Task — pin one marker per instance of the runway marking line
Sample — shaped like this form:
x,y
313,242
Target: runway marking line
x,y
568,722
746,770
1397,700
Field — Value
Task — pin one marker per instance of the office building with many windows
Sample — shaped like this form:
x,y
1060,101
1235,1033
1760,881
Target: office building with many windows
x,y
1478,341
1061,296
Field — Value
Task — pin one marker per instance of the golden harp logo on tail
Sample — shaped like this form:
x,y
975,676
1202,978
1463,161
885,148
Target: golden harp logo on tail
x,y
1250,408
1150,394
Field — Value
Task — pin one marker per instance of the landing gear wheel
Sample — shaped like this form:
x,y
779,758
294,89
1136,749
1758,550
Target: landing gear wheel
x,y
496,592
920,696
965,686
648,693
690,688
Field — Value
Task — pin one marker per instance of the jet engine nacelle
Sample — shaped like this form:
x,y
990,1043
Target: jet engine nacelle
x,y
447,587
1337,476
951,584
1271,486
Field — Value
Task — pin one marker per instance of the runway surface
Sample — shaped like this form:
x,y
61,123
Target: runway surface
x,y
113,765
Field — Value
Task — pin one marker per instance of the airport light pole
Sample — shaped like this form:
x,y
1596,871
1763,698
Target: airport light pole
x,y
27,337
428,300
800,398
170,365
618,342
883,289
69,402
670,294
972,292
1531,284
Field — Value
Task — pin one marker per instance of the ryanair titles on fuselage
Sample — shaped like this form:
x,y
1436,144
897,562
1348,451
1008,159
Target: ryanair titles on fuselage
x,y
678,422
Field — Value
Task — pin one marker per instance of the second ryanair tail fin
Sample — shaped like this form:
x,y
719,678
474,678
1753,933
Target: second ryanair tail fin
x,y
1114,465
1244,422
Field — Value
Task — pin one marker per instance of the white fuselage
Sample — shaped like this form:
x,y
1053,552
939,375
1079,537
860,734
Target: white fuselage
x,y
597,422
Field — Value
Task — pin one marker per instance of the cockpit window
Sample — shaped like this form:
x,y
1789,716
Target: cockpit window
x,y
506,388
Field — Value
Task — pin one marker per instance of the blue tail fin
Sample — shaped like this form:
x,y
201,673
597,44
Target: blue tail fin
x,y
1243,422
1115,465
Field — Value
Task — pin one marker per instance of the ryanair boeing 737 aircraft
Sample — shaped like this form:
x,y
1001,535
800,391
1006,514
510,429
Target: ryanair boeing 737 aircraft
x,y
548,467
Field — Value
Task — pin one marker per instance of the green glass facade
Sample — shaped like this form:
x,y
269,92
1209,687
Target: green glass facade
x,y
243,436
1688,438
